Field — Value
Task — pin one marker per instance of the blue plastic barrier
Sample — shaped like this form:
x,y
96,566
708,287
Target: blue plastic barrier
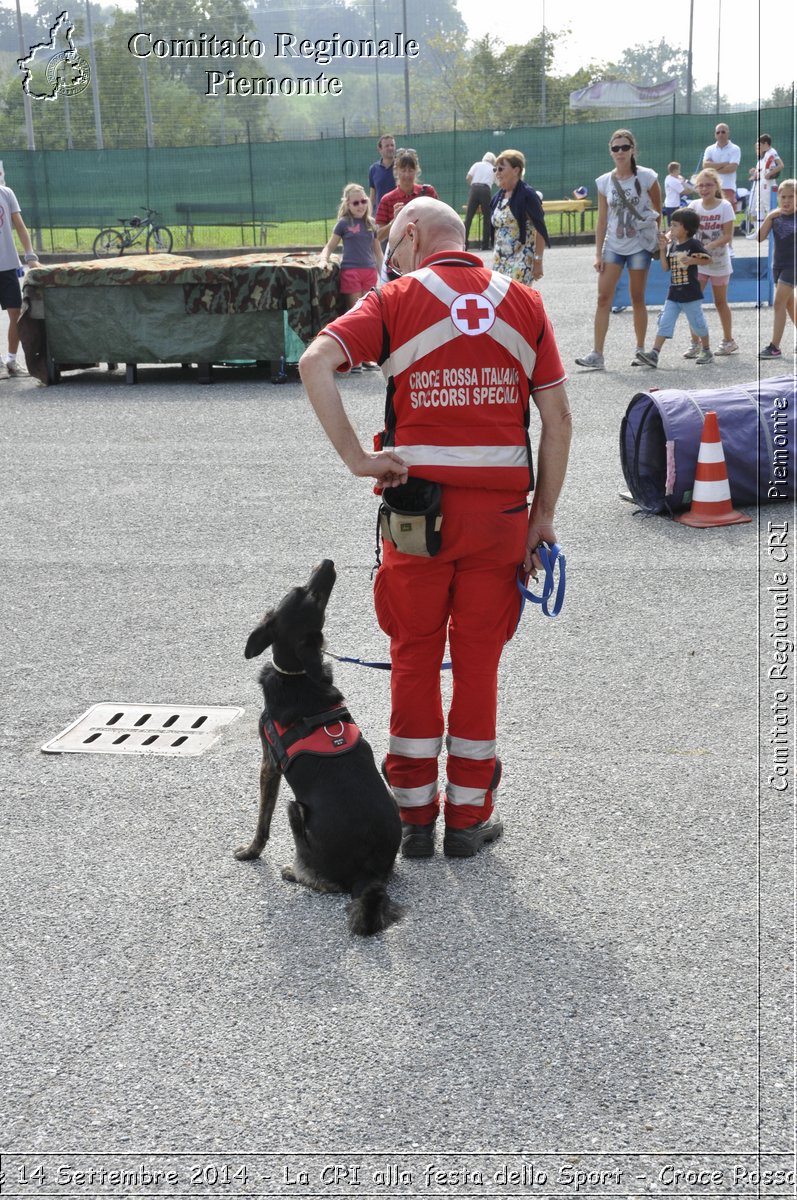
x,y
751,282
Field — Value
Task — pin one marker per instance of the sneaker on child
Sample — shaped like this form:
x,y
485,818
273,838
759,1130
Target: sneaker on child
x,y
728,347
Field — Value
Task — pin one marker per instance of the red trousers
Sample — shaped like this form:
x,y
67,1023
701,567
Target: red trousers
x,y
468,594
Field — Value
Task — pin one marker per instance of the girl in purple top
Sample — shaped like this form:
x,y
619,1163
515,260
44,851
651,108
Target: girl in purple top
x,y
781,222
362,253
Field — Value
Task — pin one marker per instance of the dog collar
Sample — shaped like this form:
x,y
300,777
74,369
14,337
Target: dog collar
x,y
283,672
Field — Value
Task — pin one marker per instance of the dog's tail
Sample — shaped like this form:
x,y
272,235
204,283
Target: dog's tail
x,y
371,910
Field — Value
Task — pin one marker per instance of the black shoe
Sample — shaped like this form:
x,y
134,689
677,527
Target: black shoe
x,y
464,843
417,841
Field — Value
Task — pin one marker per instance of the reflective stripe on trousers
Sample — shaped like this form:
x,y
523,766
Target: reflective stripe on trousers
x,y
427,750
468,594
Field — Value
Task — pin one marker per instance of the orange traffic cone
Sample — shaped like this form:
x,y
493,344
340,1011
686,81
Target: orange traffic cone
x,y
711,495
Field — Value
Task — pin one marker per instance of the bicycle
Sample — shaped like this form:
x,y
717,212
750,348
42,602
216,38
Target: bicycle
x,y
111,243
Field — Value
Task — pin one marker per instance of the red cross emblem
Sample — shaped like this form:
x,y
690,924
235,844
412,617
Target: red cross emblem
x,y
472,314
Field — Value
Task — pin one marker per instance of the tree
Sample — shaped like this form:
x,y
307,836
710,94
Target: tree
x,y
524,69
649,65
9,39
782,97
186,19
559,90
492,84
479,84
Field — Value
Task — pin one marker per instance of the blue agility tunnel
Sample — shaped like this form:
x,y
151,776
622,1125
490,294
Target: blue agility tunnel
x,y
660,440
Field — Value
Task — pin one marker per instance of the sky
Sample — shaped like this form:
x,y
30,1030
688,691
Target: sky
x,y
596,34
728,34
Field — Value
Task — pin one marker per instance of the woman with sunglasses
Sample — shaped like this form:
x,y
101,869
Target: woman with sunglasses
x,y
629,213
362,253
518,222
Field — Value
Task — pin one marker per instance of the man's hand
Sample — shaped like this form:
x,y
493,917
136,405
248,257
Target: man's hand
x,y
542,531
552,457
317,367
386,468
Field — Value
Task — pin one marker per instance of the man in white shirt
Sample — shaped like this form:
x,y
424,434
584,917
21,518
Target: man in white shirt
x,y
481,178
10,293
724,156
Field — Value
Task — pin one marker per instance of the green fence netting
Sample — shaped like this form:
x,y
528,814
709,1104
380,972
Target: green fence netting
x,y
255,183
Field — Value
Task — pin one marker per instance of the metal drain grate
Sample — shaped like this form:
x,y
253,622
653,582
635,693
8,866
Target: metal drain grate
x,y
173,729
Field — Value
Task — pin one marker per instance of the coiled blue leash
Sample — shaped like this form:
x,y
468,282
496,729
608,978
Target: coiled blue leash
x,y
551,557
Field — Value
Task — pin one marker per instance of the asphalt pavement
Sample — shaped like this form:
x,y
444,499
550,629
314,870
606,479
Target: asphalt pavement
x,y
607,988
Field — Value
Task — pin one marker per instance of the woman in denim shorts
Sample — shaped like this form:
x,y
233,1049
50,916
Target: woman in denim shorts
x,y
618,242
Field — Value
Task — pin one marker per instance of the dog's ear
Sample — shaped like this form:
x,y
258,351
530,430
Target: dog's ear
x,y
310,655
261,637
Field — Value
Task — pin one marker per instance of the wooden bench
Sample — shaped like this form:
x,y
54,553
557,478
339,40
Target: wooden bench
x,y
571,209
224,214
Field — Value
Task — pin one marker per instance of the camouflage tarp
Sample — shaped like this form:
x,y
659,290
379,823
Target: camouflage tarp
x,y
170,308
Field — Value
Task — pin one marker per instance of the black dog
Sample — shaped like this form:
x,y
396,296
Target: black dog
x,y
345,822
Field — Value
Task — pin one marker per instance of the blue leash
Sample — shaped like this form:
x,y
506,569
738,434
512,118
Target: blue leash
x,y
380,666
550,557
360,662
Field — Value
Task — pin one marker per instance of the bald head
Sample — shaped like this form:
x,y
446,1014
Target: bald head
x,y
437,225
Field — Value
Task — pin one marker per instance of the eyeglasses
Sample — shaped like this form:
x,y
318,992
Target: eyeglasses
x,y
390,264
621,149
357,203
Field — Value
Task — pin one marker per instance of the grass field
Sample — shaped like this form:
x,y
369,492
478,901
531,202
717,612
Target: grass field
x,y
309,234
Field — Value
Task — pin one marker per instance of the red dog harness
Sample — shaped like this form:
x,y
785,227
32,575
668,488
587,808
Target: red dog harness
x,y
325,733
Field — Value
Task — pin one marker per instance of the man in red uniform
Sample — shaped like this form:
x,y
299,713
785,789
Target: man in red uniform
x,y
464,351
